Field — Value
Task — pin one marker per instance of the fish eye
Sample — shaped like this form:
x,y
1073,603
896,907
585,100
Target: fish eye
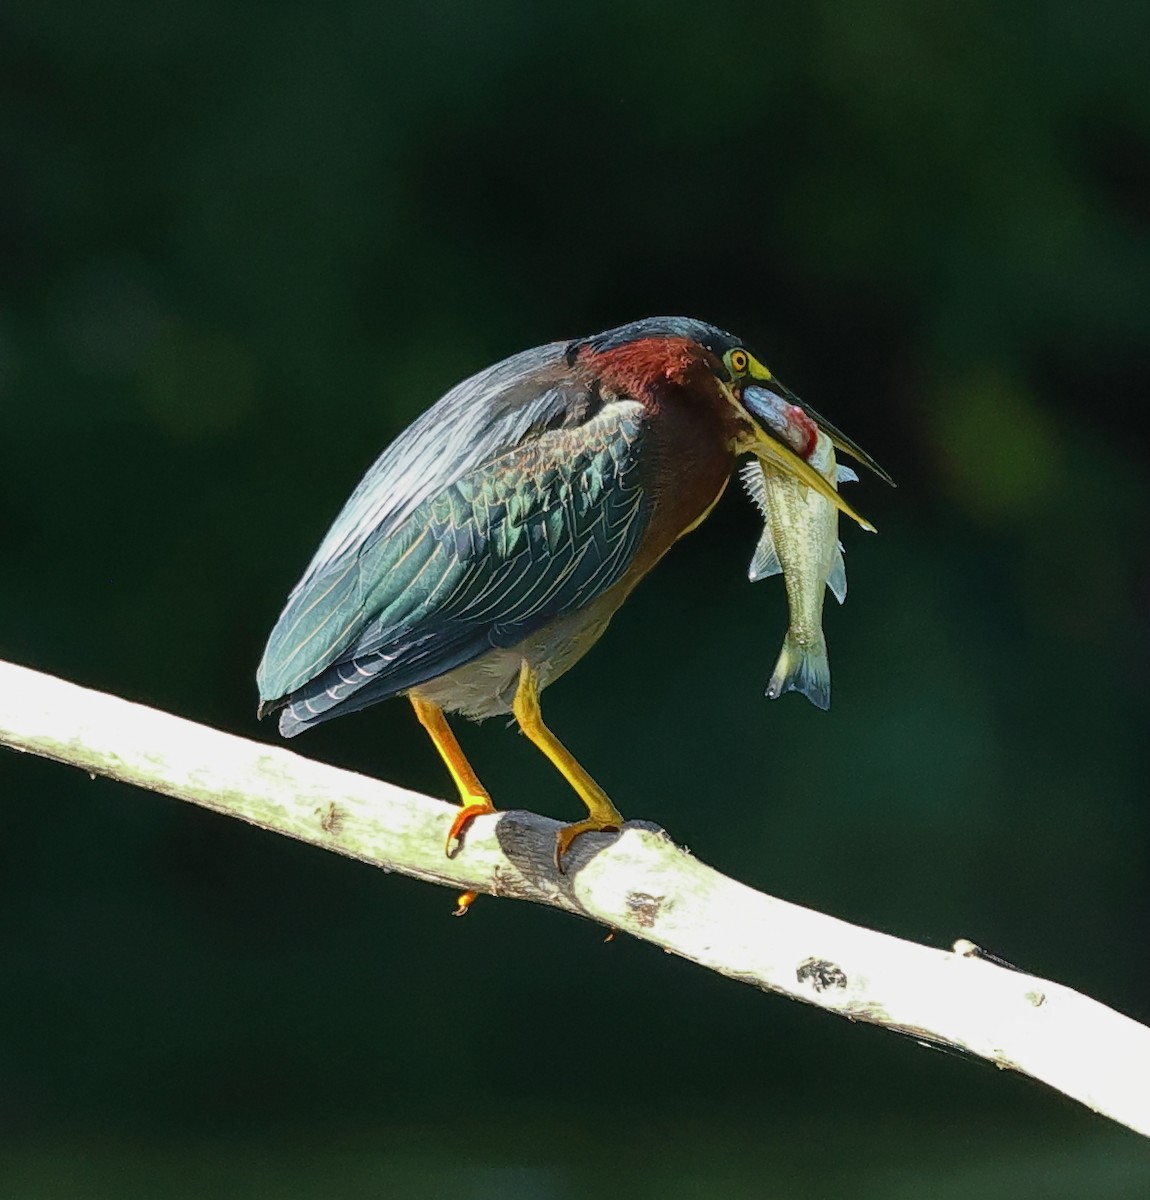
x,y
738,361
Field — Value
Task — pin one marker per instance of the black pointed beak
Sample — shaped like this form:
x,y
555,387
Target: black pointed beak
x,y
783,396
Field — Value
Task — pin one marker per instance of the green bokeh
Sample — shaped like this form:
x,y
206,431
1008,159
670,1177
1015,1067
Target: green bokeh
x,y
243,246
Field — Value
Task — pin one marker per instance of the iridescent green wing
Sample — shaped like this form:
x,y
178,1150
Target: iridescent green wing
x,y
475,423
540,532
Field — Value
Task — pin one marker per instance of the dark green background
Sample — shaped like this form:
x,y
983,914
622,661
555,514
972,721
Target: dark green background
x,y
242,246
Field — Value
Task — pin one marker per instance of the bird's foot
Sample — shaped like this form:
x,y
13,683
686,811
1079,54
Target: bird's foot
x,y
464,901
568,833
475,806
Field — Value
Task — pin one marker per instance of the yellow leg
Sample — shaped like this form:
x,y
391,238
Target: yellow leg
x,y
602,814
473,796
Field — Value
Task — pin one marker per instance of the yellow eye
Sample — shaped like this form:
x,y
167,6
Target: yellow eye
x,y
739,361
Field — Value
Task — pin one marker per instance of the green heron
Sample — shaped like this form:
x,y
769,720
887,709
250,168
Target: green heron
x,y
489,546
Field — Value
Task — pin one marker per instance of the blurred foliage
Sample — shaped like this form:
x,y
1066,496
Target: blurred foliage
x,y
245,244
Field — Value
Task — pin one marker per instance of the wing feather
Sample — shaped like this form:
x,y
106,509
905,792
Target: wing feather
x,y
473,424
483,561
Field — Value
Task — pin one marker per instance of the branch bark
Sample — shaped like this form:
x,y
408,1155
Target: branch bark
x,y
637,881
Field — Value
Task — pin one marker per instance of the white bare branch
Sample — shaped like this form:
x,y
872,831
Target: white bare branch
x,y
637,881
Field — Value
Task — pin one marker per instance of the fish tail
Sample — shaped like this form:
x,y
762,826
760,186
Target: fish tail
x,y
802,668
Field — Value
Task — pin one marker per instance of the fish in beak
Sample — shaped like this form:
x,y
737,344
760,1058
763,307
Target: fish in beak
x,y
782,433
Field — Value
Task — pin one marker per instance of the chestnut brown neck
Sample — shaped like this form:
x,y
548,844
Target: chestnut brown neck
x,y
688,457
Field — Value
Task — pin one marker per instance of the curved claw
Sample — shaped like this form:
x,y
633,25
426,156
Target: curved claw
x,y
464,901
477,808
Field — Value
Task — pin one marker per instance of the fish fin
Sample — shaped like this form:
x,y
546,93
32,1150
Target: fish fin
x,y
845,474
837,579
766,560
804,669
752,477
